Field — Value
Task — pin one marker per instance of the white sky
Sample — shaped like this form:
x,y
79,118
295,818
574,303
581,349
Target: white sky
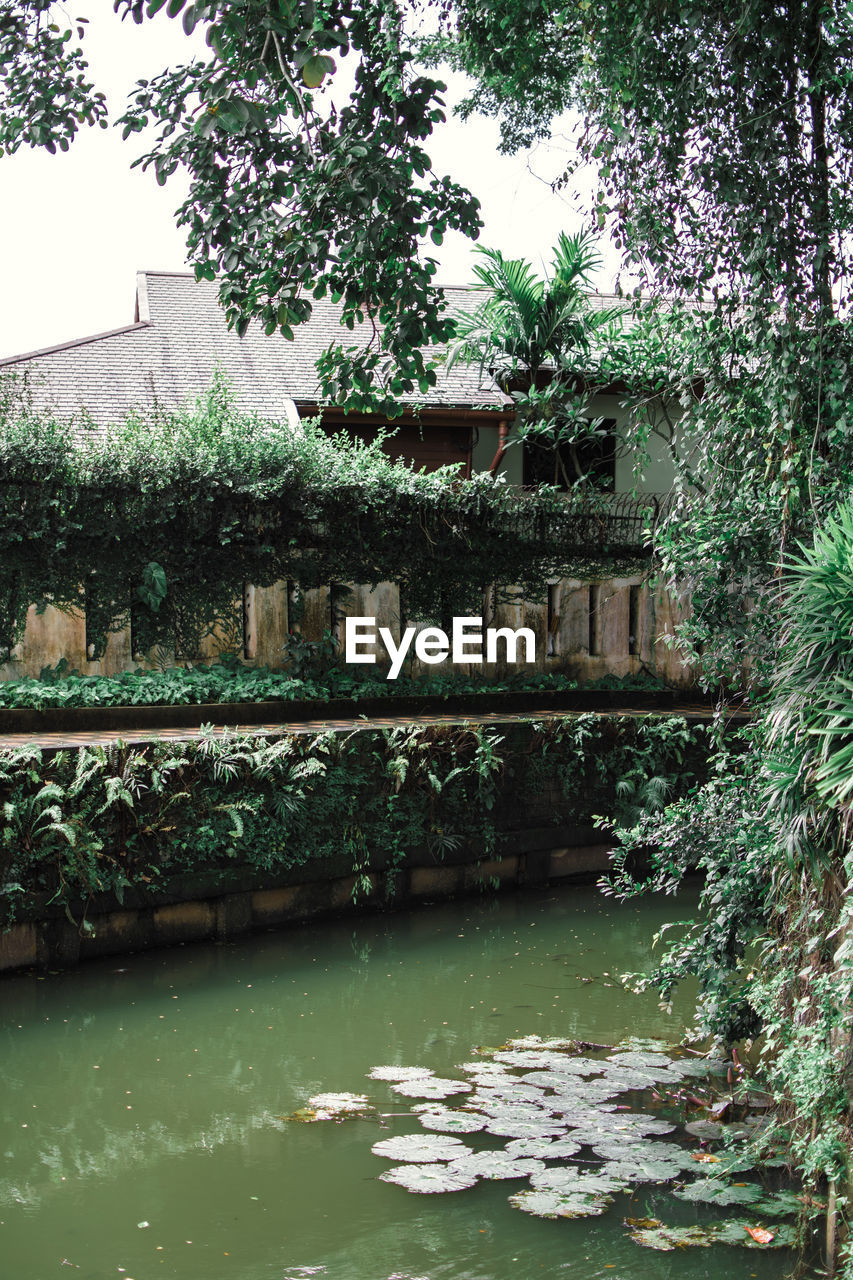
x,y
76,227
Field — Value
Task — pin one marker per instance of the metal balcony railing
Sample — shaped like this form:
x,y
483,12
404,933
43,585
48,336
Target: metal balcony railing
x,y
601,521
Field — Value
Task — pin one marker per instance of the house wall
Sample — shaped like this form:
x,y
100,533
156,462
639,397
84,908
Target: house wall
x,y
656,475
585,630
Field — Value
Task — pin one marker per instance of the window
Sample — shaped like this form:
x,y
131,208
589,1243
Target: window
x,y
564,465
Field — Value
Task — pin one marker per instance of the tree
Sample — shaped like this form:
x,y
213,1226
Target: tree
x,y
723,137
539,340
301,185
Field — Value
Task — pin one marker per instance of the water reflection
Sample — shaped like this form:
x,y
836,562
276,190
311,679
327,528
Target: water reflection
x,y
149,1090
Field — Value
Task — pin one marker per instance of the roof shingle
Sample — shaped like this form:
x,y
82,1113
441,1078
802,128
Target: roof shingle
x,y
167,357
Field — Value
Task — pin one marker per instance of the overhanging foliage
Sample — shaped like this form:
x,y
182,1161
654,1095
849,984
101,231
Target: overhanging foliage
x,y
173,514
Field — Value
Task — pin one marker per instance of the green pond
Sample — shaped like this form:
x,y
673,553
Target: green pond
x,y
142,1101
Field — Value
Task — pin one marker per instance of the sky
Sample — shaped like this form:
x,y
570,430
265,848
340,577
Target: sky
x,y
76,227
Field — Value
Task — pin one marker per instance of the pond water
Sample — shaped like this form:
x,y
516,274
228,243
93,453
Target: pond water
x,y
140,1112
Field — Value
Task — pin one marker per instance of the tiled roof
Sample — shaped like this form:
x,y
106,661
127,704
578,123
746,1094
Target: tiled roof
x,y
168,356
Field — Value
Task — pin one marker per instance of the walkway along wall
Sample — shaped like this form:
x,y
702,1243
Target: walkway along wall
x,y
119,848
619,626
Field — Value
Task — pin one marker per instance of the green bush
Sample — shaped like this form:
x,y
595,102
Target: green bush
x,y
168,515
82,822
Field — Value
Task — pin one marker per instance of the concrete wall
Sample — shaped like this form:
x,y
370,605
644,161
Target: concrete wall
x,y
189,909
583,629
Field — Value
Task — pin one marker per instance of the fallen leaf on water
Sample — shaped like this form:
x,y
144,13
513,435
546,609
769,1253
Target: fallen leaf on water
x,y
645,1224
759,1235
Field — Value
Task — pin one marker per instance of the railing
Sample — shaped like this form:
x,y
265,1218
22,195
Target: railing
x,y
604,521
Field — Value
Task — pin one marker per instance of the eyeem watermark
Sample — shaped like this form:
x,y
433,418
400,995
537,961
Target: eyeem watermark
x,y
467,642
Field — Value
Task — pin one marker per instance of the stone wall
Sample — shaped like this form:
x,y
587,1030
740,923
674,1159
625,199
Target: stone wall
x,y
616,626
192,908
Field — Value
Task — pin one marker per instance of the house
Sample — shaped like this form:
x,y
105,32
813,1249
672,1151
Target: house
x,y
167,357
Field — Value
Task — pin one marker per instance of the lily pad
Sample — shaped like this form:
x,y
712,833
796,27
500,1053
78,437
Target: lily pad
x,y
428,1179
634,1165
575,1181
641,1044
430,1087
509,1091
541,1059
634,1058
781,1204
665,1239
543,1148
398,1073
507,1126
775,1204
445,1120
542,1079
537,1042
717,1191
557,1204
706,1130
613,1147
493,1165
739,1232
329,1106
700,1067
420,1148
628,1126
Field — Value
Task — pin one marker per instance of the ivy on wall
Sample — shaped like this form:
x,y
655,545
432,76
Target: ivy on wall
x,y
168,515
79,823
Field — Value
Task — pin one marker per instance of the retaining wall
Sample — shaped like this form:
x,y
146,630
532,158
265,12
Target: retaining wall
x,y
201,906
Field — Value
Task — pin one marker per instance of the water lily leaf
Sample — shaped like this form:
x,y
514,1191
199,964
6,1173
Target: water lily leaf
x,y
445,1120
398,1073
581,1066
612,1147
578,1115
331,1106
740,1233
649,1125
537,1042
717,1191
492,1105
665,1239
635,1166
529,1058
633,1058
780,1204
743,1159
627,1126
628,1079
428,1179
483,1068
556,1204
639,1044
430,1087
543,1148
542,1059
707,1130
700,1067
420,1148
506,1126
509,1091
498,1164
575,1181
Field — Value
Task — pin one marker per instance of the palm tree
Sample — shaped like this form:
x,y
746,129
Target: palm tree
x,y
537,338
